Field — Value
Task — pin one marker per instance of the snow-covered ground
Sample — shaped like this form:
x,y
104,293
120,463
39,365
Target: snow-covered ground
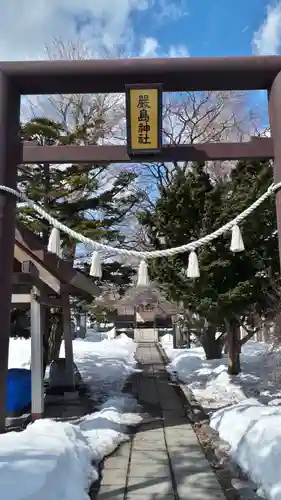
x,y
214,388
244,409
56,459
253,432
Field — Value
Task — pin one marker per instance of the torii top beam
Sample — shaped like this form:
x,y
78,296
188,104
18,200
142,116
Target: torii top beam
x,y
176,74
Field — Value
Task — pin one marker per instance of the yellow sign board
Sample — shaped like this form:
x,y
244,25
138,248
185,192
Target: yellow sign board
x,y
144,119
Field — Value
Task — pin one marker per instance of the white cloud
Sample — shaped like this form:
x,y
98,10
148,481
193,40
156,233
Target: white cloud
x,y
171,10
267,40
149,47
81,29
178,51
27,27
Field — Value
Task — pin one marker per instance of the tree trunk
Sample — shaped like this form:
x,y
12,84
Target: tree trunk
x,y
174,336
233,337
187,338
56,334
56,316
212,347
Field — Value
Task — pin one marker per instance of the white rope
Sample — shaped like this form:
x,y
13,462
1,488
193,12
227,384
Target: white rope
x,y
168,252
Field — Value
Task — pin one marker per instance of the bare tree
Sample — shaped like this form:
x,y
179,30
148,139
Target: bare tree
x,y
88,119
83,119
196,117
101,114
188,117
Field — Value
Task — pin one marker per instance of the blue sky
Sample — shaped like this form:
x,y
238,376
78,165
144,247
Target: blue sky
x,y
143,28
220,28
209,28
197,27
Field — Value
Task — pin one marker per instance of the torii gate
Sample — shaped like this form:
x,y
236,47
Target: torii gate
x,y
112,76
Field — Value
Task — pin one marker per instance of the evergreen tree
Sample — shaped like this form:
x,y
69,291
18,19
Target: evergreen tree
x,y
231,286
20,324
80,196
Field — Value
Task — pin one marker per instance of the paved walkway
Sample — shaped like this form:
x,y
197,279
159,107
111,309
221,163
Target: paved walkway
x,y
164,459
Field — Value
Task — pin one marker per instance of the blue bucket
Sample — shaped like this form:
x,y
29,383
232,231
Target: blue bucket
x,y
18,391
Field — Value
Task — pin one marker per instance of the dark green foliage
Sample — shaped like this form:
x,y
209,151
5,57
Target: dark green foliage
x,y
83,197
20,324
117,273
231,285
80,196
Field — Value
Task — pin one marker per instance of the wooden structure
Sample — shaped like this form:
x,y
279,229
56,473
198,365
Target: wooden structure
x,y
146,311
40,281
105,76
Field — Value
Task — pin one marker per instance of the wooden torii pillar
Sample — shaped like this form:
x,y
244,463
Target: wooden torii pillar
x,y
274,108
10,157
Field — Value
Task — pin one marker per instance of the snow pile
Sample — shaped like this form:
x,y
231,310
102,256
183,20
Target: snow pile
x,y
54,459
59,460
245,409
253,432
48,460
210,382
104,362
96,336
106,429
106,365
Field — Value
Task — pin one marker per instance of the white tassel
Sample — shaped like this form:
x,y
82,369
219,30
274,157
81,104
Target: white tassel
x,y
96,269
237,244
54,242
193,266
143,278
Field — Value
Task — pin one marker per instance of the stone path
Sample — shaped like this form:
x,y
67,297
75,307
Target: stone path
x,y
163,460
